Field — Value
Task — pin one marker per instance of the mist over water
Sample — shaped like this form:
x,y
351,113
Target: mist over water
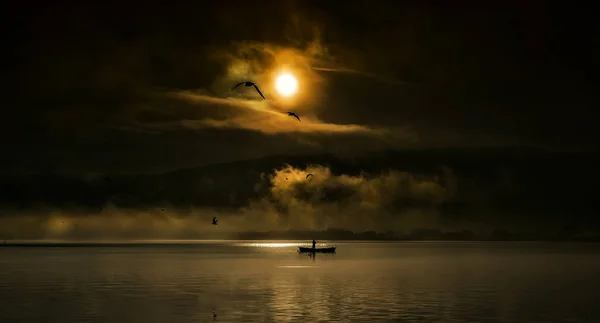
x,y
254,281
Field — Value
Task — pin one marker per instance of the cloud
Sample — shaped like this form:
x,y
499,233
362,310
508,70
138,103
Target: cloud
x,y
374,76
218,107
393,199
261,116
286,200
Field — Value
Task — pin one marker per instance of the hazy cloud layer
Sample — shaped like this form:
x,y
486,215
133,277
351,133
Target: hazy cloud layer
x,y
519,190
395,199
290,201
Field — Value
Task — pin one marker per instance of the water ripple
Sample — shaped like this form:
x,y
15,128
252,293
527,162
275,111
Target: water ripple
x,y
362,283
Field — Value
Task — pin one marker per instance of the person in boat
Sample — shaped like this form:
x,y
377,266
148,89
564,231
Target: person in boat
x,y
314,244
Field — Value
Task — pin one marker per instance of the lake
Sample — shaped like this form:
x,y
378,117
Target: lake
x,y
268,281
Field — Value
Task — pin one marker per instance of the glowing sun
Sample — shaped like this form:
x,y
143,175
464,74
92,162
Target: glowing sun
x,y
286,84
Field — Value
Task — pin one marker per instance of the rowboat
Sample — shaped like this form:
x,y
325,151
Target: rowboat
x,y
317,250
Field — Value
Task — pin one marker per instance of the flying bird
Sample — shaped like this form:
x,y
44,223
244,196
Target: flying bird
x,y
248,84
214,221
308,175
292,114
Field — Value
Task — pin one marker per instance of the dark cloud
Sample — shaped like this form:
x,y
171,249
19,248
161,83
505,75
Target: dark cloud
x,y
429,75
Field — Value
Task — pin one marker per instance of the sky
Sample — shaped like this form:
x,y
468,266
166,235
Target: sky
x,y
104,89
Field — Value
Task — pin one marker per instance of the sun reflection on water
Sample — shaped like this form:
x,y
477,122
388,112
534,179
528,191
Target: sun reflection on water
x,y
268,244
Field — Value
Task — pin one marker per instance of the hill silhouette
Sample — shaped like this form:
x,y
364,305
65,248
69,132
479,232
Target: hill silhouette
x,y
232,184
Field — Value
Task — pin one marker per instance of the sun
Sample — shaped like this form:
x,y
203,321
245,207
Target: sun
x,y
286,84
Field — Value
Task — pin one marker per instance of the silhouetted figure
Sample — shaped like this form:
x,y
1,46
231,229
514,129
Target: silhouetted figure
x,y
308,175
248,84
214,221
314,244
292,114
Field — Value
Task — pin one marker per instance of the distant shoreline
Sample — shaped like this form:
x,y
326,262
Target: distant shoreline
x,y
417,235
337,235
190,242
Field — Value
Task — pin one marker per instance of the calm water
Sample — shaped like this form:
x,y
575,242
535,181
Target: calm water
x,y
271,282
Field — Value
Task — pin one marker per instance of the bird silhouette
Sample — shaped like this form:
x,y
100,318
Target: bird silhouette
x,y
248,84
308,175
214,221
292,114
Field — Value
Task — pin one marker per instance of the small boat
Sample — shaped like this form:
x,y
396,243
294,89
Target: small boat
x,y
317,250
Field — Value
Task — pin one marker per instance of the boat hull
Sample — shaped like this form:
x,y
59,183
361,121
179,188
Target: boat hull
x,y
317,250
